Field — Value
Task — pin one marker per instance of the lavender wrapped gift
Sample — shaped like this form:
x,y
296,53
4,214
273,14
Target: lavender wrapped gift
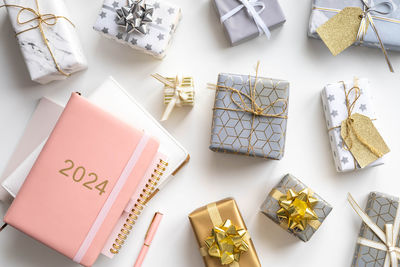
x,y
246,19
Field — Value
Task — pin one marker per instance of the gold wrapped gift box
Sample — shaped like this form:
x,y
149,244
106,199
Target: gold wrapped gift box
x,y
215,216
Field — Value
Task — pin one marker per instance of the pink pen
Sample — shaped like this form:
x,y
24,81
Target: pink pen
x,y
149,238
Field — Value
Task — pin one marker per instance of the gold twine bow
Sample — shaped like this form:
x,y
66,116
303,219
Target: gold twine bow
x,y
297,209
47,19
253,108
349,120
227,242
180,96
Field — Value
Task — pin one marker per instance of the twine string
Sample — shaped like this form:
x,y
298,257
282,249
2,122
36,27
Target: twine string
x,y
47,19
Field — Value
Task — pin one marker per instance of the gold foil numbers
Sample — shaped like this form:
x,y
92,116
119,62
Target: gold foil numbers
x,y
340,32
227,242
363,139
297,209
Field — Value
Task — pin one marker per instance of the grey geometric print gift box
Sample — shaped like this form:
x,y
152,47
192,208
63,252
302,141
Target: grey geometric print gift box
x,y
310,210
145,25
379,232
250,116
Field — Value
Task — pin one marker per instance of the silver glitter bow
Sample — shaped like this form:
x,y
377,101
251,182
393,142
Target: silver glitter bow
x,y
135,16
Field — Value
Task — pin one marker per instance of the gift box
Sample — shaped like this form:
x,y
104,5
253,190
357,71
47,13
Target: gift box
x,y
388,26
177,92
381,214
335,109
219,225
147,26
50,47
250,116
241,25
296,208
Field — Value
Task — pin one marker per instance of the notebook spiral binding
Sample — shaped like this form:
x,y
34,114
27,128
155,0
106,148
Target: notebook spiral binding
x,y
150,186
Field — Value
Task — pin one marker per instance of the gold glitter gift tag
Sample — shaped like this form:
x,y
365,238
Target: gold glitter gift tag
x,y
340,32
363,139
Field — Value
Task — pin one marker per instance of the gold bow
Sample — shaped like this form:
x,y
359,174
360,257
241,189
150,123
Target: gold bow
x,y
297,209
253,108
349,120
227,242
179,96
47,19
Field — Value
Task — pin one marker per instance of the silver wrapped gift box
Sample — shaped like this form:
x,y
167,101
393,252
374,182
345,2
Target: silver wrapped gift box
x,y
235,129
61,36
335,110
271,206
382,209
241,27
388,26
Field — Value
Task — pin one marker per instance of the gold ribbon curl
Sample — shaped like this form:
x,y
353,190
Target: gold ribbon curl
x,y
47,19
254,109
297,209
227,242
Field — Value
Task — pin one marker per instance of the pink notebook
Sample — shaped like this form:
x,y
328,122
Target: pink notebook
x,y
82,181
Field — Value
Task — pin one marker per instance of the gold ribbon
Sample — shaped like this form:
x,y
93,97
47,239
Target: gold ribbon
x,y
253,108
180,95
368,19
296,209
47,19
227,242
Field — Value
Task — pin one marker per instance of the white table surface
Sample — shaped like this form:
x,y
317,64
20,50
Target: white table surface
x,y
200,49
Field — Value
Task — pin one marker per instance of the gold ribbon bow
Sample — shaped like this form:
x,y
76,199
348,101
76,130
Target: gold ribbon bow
x,y
253,108
227,242
297,209
387,238
180,94
47,19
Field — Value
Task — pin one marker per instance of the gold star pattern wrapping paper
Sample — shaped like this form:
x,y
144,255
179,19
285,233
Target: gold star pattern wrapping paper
x,y
293,206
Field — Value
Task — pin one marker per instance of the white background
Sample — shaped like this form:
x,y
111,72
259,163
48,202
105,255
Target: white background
x,y
200,49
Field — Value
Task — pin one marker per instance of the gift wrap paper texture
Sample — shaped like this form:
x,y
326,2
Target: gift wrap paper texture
x,y
166,18
234,131
62,38
382,209
389,31
202,225
241,27
271,206
335,109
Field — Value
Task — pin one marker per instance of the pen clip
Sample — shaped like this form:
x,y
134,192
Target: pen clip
x,y
151,223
